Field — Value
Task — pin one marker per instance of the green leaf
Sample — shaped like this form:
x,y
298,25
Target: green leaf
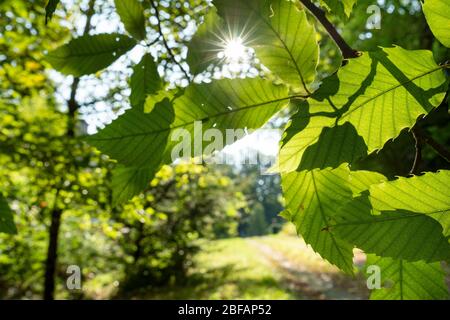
x,y
403,280
311,139
312,198
152,99
89,54
385,91
144,81
206,43
281,35
6,218
437,13
342,8
132,16
361,180
428,194
397,234
50,9
137,139
223,105
378,94
230,104
129,181
141,141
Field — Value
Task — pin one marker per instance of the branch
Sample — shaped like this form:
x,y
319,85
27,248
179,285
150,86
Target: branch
x,y
440,149
154,41
347,51
72,103
89,14
73,106
169,50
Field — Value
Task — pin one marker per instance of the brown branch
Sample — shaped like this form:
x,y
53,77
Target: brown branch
x,y
439,148
89,14
347,51
169,50
73,106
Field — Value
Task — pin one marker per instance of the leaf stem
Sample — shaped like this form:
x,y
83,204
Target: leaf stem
x,y
347,51
418,155
169,50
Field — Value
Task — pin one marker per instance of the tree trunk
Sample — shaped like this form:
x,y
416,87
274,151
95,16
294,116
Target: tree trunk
x,y
52,255
52,252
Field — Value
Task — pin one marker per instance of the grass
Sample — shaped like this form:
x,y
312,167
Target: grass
x,y
269,267
227,269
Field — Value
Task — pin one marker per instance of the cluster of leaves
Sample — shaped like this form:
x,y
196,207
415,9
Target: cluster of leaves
x,y
352,114
21,73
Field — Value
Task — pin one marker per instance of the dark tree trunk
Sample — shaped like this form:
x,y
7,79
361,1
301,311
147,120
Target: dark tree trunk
x,y
52,255
138,252
52,252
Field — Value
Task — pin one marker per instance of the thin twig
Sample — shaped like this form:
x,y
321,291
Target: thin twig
x,y
154,41
347,51
89,14
72,103
418,154
169,50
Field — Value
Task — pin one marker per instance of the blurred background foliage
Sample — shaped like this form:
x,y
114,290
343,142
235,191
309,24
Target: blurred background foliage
x,y
153,241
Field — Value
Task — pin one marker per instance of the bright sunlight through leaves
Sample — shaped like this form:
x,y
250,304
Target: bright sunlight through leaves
x,y
234,50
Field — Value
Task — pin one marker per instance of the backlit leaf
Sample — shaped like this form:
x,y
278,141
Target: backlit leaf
x,y
206,43
401,280
131,14
312,198
89,54
137,139
281,35
375,96
145,81
397,234
428,194
437,13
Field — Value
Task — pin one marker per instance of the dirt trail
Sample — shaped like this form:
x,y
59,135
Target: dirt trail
x,y
310,284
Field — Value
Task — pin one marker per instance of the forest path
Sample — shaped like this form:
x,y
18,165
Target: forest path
x,y
275,267
306,281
